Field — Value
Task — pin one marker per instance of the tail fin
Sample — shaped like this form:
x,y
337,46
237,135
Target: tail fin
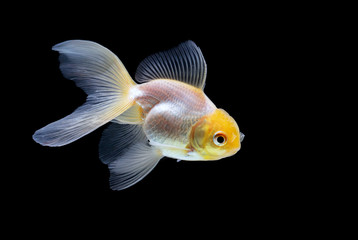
x,y
103,77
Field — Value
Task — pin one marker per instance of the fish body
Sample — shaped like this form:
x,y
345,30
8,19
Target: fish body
x,y
166,114
171,108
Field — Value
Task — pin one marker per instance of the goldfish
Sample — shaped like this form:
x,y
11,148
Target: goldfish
x,y
164,113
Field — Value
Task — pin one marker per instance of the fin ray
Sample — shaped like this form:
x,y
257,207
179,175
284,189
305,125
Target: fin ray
x,y
116,138
137,162
134,115
126,151
184,63
98,72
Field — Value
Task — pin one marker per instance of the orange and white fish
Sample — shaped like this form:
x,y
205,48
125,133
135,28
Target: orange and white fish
x,y
167,114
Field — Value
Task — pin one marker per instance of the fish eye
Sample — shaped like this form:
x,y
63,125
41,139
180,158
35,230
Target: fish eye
x,y
219,139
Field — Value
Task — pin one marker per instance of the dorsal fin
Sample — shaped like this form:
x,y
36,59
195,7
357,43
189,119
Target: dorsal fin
x,y
184,63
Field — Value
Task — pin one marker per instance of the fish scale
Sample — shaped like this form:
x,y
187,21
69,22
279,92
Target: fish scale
x,y
166,106
164,121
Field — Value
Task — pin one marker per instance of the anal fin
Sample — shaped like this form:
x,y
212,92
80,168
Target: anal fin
x,y
125,148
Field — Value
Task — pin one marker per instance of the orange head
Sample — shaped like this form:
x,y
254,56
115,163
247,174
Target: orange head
x,y
215,136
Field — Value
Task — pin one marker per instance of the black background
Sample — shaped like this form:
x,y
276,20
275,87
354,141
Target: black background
x,y
257,60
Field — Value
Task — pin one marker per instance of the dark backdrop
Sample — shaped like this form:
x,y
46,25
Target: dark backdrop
x,y
254,58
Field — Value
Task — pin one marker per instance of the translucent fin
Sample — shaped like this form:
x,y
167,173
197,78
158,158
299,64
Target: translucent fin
x,y
129,157
103,77
133,115
93,68
184,63
116,138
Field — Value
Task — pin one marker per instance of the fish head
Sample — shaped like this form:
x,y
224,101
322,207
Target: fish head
x,y
216,136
